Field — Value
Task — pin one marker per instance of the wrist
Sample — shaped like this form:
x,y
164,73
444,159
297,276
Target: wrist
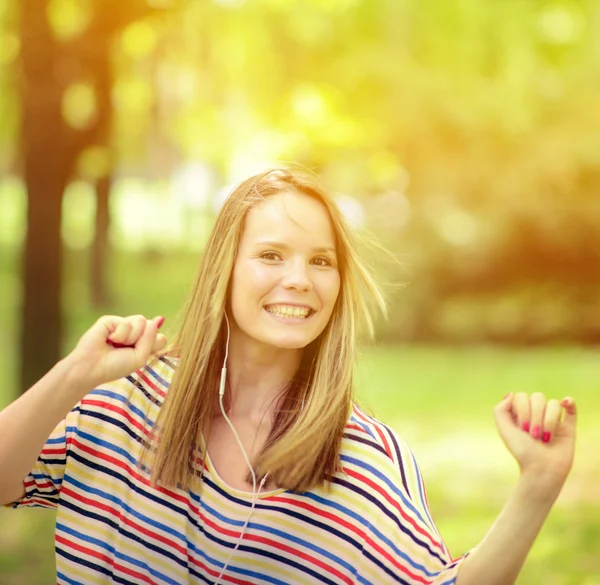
x,y
76,375
540,486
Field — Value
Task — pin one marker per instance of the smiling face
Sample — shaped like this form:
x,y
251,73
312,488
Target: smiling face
x,y
285,278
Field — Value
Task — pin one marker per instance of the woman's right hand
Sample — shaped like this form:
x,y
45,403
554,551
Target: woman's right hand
x,y
96,361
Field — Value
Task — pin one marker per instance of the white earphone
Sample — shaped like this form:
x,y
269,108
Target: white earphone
x,y
255,493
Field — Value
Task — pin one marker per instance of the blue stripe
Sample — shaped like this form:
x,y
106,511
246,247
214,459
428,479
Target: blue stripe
x,y
273,531
66,579
373,529
120,398
354,419
158,378
107,445
385,480
117,554
56,481
115,500
422,495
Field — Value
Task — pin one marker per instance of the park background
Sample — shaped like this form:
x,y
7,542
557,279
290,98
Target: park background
x,y
463,134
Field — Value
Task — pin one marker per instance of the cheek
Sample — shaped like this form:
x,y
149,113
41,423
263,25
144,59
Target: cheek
x,y
250,281
330,290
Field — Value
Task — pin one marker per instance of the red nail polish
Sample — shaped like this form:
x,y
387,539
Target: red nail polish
x,y
536,432
546,437
160,322
525,426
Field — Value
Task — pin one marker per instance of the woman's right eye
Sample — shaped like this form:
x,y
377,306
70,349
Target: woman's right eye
x,y
270,256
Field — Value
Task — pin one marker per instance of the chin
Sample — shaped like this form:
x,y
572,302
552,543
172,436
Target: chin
x,y
289,343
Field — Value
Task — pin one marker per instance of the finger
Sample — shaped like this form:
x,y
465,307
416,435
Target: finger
x,y
160,343
504,407
120,332
505,419
147,340
138,324
537,407
551,419
522,410
570,407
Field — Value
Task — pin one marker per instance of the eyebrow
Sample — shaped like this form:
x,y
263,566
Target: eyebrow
x,y
282,246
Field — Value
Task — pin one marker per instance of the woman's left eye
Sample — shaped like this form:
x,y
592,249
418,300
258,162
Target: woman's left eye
x,y
322,261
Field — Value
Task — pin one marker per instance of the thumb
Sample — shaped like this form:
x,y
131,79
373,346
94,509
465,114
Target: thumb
x,y
505,420
570,407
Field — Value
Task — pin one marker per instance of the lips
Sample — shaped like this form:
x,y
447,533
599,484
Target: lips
x,y
289,311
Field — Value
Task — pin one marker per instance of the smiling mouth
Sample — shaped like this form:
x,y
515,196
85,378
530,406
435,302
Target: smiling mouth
x,y
289,311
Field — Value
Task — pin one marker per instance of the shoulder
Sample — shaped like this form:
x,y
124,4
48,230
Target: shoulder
x,y
374,434
372,448
137,394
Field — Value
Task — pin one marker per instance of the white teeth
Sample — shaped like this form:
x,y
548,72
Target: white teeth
x,y
288,311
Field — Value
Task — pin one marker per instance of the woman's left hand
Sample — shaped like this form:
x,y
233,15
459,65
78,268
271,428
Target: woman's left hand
x,y
540,434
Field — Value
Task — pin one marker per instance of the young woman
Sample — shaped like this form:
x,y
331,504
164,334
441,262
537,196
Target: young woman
x,y
237,455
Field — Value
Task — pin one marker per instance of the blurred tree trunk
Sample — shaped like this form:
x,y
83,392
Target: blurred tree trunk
x,y
100,246
47,165
50,149
101,296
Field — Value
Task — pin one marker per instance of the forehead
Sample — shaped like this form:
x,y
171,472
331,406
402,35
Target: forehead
x,y
289,217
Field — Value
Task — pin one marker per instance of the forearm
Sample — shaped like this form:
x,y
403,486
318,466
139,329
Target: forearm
x,y
26,424
498,559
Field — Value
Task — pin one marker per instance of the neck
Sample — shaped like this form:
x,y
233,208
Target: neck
x,y
256,376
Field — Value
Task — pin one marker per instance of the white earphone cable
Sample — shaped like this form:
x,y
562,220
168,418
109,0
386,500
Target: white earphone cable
x,y
255,493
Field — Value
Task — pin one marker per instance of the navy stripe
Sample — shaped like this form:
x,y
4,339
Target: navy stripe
x,y
391,515
392,438
117,423
367,442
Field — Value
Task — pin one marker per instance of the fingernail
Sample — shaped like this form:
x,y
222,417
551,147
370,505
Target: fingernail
x,y
159,323
546,437
507,396
536,432
525,426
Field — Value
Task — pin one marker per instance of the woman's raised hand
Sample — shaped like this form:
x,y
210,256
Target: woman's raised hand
x,y
540,434
116,346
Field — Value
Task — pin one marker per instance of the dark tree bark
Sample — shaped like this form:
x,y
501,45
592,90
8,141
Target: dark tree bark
x,y
49,153
100,246
101,294
47,163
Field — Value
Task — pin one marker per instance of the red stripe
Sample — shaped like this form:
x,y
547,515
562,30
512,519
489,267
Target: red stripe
x,y
125,520
353,528
130,471
394,503
302,555
107,406
355,427
107,560
32,501
277,545
59,451
374,424
151,383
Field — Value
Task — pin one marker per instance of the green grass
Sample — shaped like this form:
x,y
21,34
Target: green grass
x,y
439,399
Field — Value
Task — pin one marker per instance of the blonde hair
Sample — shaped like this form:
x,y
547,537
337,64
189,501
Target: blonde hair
x,y
302,449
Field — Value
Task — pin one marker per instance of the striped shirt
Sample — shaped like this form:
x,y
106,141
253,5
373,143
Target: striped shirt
x,y
372,527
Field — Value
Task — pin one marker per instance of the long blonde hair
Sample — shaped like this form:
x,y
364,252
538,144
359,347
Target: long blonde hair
x,y
302,449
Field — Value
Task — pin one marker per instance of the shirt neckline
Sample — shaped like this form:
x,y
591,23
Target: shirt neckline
x,y
235,491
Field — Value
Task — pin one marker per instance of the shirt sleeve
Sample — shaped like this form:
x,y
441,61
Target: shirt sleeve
x,y
43,483
404,545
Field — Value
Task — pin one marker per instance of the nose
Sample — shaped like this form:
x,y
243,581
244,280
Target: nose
x,y
296,276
